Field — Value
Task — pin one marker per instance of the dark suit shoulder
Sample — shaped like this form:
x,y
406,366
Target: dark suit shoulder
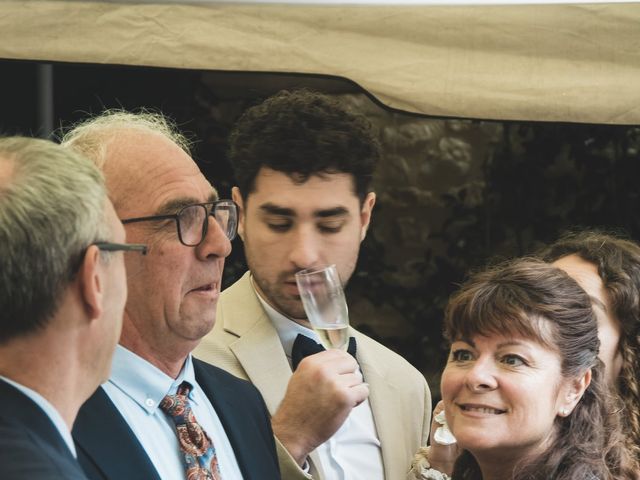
x,y
25,454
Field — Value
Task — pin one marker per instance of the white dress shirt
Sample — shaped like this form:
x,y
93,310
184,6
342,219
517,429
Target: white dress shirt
x,y
137,387
353,452
49,410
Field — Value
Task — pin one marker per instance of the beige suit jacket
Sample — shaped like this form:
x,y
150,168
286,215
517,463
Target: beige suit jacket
x,y
245,343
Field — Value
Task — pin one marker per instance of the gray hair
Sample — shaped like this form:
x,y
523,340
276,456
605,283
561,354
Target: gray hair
x,y
90,137
52,204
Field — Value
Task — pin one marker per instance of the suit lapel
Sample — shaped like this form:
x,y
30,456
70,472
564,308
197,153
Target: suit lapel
x,y
103,436
272,377
257,340
220,397
240,428
382,399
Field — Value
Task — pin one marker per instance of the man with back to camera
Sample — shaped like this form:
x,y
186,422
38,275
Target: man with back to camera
x,y
63,295
162,414
303,167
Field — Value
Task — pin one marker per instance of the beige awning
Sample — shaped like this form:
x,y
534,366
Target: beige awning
x,y
540,62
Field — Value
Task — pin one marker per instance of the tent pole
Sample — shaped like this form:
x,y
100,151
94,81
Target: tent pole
x,y
45,100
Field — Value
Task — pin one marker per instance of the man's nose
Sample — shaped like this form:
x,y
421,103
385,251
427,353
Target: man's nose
x,y
305,248
215,242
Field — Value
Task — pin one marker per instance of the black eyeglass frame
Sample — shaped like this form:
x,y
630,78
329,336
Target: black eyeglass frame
x,y
117,247
205,223
76,262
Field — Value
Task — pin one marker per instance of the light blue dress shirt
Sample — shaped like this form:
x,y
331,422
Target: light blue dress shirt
x,y
137,387
49,410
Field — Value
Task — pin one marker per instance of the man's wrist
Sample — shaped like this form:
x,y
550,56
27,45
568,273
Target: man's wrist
x,y
291,444
289,469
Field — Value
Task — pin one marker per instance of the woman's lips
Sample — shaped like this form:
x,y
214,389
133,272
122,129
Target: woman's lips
x,y
474,408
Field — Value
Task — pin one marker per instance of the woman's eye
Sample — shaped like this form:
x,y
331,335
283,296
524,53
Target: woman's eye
x,y
513,360
461,355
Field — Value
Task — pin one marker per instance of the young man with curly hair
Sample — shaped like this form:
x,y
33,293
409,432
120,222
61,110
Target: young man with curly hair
x,y
303,166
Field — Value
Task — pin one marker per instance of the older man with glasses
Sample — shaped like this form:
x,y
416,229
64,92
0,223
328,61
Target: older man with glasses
x,y
164,414
62,297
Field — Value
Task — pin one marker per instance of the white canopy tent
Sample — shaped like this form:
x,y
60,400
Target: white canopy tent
x,y
577,63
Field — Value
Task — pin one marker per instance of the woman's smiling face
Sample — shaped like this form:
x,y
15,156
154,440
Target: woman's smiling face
x,y
502,394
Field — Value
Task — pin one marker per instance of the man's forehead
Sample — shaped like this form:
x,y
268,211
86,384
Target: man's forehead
x,y
144,154
174,204
268,180
274,190
149,174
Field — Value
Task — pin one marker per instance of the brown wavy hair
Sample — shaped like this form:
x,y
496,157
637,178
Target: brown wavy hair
x,y
618,262
530,298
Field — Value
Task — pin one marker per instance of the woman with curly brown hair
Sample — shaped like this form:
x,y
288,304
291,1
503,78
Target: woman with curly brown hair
x,y
608,268
523,388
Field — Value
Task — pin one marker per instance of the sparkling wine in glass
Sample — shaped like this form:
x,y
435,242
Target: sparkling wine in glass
x,y
325,304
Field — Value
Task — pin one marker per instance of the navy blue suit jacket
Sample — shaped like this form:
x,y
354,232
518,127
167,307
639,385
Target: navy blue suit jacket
x,y
108,449
30,445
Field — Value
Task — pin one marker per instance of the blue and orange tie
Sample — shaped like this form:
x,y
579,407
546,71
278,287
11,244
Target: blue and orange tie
x,y
199,454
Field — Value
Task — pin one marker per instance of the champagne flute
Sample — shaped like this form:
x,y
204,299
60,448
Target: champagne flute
x,y
325,304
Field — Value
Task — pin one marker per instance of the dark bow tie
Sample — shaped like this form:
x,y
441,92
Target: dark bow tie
x,y
305,346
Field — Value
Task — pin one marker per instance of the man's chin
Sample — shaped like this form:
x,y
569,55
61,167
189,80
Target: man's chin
x,y
302,321
196,323
291,311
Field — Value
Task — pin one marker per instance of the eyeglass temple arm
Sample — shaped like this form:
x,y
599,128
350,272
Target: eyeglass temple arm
x,y
115,247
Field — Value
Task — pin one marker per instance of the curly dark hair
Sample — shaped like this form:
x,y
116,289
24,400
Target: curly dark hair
x,y
618,262
531,298
303,133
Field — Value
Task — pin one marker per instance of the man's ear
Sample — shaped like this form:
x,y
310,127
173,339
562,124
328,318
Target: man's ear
x,y
365,214
572,393
236,196
90,283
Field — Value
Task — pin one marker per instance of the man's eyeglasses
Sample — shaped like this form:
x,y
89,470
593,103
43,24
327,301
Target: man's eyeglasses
x,y
192,221
76,262
116,247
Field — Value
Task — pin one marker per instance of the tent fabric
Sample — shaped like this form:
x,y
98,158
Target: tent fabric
x,y
577,63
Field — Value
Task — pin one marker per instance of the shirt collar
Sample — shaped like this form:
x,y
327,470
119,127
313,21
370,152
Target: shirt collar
x,y
143,382
287,328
